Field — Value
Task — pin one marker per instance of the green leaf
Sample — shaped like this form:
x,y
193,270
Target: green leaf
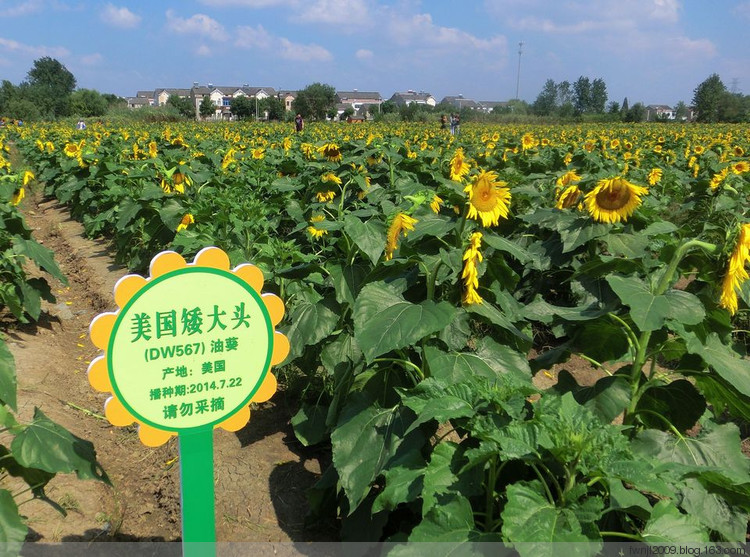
x,y
365,439
342,350
368,235
43,257
384,321
719,448
171,213
529,517
503,244
309,424
579,232
679,402
12,529
631,246
32,301
347,280
713,511
497,317
649,312
452,520
727,363
48,446
668,525
540,310
8,379
311,323
128,210
630,501
607,398
403,484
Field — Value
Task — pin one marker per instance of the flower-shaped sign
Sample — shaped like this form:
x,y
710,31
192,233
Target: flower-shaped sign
x,y
190,347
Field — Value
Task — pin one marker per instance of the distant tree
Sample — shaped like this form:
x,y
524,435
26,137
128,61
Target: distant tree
x,y
50,87
564,93
87,103
274,108
183,105
680,111
242,107
732,107
348,111
8,92
207,108
707,98
315,101
636,113
625,107
388,107
613,107
546,102
22,109
582,95
114,101
598,96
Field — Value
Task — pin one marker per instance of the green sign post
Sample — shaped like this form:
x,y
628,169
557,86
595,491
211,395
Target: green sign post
x,y
190,348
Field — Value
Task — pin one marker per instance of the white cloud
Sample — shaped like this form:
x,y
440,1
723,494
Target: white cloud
x,y
198,24
119,17
94,59
743,9
24,8
364,54
420,30
335,12
203,50
259,38
247,3
36,51
303,52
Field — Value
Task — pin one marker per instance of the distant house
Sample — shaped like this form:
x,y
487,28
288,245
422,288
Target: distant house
x,y
161,96
287,97
489,106
460,102
659,112
138,102
412,97
221,97
363,102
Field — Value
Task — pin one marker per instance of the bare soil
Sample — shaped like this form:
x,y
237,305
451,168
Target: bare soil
x,y
261,471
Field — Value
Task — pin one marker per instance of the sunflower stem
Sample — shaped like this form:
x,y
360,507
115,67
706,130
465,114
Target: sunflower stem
x,y
645,338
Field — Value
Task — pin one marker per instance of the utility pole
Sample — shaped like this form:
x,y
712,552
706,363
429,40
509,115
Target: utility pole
x,y
518,74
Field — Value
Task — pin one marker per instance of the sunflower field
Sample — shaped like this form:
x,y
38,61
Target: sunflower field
x,y
431,280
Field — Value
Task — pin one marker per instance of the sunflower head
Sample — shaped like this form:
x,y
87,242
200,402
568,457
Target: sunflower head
x,y
614,199
459,167
489,199
331,152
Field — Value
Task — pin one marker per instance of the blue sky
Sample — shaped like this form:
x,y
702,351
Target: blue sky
x,y
652,51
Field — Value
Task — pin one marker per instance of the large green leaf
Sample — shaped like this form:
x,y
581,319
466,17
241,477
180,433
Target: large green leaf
x,y
12,529
309,424
8,380
50,447
668,525
503,244
432,400
631,246
528,516
43,257
727,363
713,511
365,439
650,312
450,521
368,235
719,448
384,321
679,402
347,280
607,398
311,323
578,232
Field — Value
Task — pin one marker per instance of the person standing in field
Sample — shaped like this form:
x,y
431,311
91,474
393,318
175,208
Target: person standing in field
x,y
443,122
299,123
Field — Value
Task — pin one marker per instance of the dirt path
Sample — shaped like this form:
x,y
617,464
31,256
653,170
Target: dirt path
x,y
261,472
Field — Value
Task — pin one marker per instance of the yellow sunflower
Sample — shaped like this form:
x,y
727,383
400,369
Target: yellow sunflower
x,y
401,223
330,178
568,178
489,199
152,150
325,196
187,220
315,232
472,257
436,203
740,167
654,176
259,153
18,196
28,176
528,141
614,199
330,151
569,197
736,273
719,177
459,166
